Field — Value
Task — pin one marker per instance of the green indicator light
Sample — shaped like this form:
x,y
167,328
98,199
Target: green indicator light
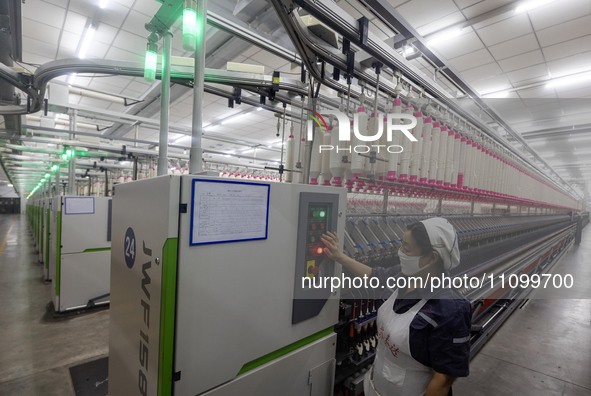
x,y
150,65
321,213
189,28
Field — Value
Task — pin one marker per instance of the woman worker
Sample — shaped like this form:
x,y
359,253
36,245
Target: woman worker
x,y
423,336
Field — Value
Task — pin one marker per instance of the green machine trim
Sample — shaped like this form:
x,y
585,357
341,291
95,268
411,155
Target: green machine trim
x,y
284,351
47,239
94,250
37,226
58,253
167,315
39,218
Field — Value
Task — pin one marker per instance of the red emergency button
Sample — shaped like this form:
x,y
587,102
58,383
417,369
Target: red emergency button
x,y
313,227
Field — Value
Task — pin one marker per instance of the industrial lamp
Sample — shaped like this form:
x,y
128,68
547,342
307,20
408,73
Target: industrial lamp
x,y
151,62
189,25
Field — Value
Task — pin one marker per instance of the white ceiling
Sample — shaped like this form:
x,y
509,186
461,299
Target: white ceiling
x,y
506,56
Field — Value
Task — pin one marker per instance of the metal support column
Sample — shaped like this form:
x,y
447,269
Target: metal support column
x,y
58,182
72,159
135,168
136,133
196,152
164,105
385,202
472,207
309,145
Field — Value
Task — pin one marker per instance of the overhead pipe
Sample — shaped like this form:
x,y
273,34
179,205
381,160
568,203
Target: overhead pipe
x,y
97,95
60,121
115,149
56,132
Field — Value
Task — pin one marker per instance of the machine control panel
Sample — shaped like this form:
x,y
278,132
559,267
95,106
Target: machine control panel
x,y
318,214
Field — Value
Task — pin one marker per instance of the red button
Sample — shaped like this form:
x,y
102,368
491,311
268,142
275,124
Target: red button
x,y
313,227
313,270
322,226
317,250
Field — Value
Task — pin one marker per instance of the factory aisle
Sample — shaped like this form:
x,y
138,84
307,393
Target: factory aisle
x,y
544,348
36,350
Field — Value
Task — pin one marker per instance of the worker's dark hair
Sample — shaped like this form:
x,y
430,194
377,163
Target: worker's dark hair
x,y
419,234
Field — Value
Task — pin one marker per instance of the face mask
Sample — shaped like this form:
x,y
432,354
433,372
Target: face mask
x,y
409,264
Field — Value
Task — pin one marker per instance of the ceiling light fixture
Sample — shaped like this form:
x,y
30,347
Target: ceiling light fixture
x,y
185,137
103,4
530,5
576,78
86,40
233,118
579,138
445,36
409,50
500,94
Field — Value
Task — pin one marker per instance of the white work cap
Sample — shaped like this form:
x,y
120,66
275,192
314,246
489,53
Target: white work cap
x,y
444,240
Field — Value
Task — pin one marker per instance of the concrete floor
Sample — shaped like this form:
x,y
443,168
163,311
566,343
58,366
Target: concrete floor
x,y
36,350
543,349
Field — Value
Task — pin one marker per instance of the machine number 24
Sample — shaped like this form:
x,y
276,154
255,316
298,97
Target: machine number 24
x,y
129,247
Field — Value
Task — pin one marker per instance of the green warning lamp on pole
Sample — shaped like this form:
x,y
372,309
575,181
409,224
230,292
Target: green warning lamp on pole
x,y
151,62
189,25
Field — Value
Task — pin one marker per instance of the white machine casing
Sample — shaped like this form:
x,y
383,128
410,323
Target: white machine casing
x,y
228,329
79,257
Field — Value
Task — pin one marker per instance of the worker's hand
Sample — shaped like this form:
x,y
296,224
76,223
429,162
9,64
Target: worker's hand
x,y
331,243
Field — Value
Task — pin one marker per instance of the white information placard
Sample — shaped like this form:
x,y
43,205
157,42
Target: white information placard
x,y
228,211
78,205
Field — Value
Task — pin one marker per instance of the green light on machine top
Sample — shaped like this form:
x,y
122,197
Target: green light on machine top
x,y
150,65
189,29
